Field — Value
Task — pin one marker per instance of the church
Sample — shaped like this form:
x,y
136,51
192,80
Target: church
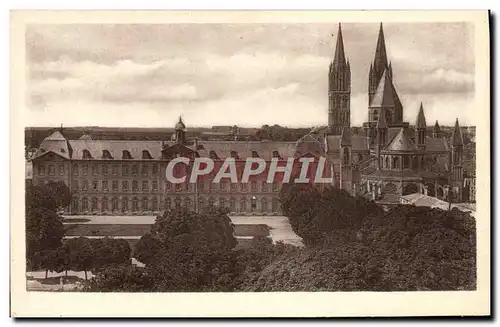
x,y
389,159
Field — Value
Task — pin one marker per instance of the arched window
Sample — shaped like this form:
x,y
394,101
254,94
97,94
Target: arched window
x,y
135,205
74,205
106,154
126,154
86,154
243,205
253,203
275,205
94,204
85,204
232,204
263,205
124,204
145,204
104,204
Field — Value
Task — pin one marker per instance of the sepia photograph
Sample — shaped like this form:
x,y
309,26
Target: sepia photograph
x,y
251,155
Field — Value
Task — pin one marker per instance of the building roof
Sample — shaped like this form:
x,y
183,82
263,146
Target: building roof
x,y
422,200
456,137
339,57
358,143
55,143
401,142
115,148
385,93
85,137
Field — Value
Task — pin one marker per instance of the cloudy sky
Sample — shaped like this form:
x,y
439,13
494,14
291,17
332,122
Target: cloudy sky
x,y
244,74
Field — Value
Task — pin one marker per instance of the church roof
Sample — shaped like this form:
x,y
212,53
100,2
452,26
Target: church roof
x,y
456,137
339,57
385,95
401,142
382,123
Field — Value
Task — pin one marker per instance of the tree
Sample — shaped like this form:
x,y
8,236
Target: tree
x,y
44,228
60,192
121,278
81,254
109,251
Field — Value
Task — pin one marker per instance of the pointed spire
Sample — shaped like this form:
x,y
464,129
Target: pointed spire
x,y
180,125
421,117
345,139
456,138
339,58
380,61
385,94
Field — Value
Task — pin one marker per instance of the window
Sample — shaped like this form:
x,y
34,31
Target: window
x,y
106,154
168,186
126,155
275,187
85,204
145,204
104,204
114,204
155,169
95,169
211,202
178,187
234,154
233,187
74,205
86,154
94,204
114,170
187,203
145,185
144,170
243,205
155,185
177,203
52,170
168,204
243,187
125,170
222,186
263,205
275,205
276,154
95,185
135,186
146,155
85,185
254,186
135,205
75,169
154,204
125,186
125,204
134,170
201,185
61,170
41,170
114,185
105,169
75,185
222,203
232,205
213,187
264,186
255,154
105,185
85,169
201,202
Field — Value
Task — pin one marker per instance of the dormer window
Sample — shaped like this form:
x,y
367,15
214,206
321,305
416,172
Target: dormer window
x,y
200,147
126,154
62,150
146,155
106,154
86,154
234,154
255,154
276,154
213,155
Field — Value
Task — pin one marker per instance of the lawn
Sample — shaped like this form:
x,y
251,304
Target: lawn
x,y
251,230
106,230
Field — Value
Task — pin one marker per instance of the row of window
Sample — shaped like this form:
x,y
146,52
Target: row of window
x,y
114,186
97,169
145,204
146,186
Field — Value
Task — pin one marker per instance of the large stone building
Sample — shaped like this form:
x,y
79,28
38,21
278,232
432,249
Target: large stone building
x,y
389,160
